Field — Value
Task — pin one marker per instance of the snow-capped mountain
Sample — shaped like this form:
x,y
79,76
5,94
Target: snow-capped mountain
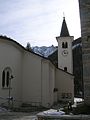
x,y
44,51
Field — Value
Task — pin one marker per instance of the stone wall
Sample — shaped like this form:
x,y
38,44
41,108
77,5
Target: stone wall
x,y
84,6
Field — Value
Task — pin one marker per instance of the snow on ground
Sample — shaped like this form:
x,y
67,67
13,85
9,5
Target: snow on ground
x,y
53,112
7,115
76,101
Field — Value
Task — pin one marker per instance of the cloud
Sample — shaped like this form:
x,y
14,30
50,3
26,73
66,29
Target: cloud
x,y
36,19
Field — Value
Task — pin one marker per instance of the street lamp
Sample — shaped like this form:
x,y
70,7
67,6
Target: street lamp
x,y
10,98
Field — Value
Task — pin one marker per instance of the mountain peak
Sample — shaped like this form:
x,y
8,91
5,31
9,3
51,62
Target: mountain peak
x,y
44,51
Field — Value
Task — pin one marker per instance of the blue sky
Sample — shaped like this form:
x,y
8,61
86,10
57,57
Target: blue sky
x,y
38,21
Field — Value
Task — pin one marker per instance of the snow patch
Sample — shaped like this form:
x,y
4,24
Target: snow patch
x,y
52,112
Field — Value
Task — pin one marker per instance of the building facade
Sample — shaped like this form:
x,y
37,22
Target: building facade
x,y
84,6
27,77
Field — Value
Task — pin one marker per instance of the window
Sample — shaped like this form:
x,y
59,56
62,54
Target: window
x,y
6,74
7,79
65,69
3,79
64,45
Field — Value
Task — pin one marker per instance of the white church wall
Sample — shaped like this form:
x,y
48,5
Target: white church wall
x,y
45,83
31,78
48,83
11,57
65,85
34,77
53,94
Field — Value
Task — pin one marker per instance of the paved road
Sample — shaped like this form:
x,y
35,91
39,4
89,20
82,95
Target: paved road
x,y
17,116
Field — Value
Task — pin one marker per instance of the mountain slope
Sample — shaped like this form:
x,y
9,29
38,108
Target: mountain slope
x,y
44,51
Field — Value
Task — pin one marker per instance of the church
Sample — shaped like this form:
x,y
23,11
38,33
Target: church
x,y
27,77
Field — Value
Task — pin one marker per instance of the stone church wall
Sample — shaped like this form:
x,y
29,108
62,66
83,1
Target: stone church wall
x,y
84,6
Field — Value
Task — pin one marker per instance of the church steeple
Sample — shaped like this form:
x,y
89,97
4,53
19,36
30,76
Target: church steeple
x,y
64,29
65,60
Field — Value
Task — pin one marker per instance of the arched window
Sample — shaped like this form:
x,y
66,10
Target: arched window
x,y
6,74
62,44
7,79
66,45
3,78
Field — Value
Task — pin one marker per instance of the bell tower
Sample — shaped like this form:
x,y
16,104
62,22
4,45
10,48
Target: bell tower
x,y
65,59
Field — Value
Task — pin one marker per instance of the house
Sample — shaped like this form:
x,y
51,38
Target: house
x,y
30,78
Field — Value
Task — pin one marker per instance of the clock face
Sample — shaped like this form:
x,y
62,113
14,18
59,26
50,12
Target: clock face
x,y
64,52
